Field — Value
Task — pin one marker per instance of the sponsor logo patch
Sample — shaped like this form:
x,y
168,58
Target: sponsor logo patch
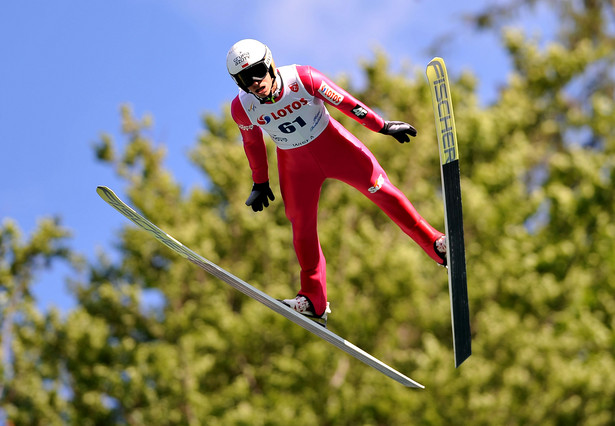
x,y
377,186
282,112
242,127
359,111
330,94
263,119
241,58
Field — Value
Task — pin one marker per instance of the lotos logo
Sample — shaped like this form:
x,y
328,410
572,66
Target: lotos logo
x,y
263,119
282,112
330,94
294,87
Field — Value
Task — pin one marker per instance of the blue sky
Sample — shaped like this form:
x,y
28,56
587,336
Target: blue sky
x,y
67,67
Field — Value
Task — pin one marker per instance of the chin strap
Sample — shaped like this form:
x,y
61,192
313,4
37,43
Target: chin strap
x,y
272,95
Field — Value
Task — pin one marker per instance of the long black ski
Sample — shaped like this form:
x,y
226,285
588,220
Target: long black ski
x,y
109,196
451,188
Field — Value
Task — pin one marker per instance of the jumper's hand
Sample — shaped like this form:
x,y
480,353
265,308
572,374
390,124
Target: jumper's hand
x,y
260,196
399,130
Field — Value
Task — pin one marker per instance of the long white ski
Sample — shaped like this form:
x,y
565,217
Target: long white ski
x,y
451,188
109,196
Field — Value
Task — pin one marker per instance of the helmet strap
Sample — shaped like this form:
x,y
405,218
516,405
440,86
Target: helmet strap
x,y
272,94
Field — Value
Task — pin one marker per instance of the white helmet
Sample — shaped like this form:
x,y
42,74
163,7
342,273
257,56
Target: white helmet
x,y
249,61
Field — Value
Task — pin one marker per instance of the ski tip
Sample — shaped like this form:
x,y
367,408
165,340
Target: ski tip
x,y
436,60
106,194
436,69
102,190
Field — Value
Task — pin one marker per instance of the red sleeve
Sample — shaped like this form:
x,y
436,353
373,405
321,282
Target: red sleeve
x,y
253,143
320,86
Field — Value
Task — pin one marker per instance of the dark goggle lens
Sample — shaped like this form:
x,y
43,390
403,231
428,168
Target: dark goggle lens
x,y
254,73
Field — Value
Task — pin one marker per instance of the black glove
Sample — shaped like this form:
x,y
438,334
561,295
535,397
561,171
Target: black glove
x,y
399,130
258,196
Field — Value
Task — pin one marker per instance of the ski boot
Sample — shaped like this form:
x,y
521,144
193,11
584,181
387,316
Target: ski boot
x,y
440,247
302,305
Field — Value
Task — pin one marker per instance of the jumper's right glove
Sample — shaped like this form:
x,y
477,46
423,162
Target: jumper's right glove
x,y
258,196
399,130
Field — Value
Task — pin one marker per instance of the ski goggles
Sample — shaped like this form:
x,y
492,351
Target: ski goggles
x,y
256,72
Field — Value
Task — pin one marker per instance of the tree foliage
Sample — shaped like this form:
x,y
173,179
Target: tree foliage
x,y
156,340
31,383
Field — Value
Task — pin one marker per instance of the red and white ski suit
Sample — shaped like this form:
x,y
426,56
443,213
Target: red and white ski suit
x,y
311,147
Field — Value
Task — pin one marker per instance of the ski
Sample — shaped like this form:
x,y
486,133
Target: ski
x,y
451,189
316,328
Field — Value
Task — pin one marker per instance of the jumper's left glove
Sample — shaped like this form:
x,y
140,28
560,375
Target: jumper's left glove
x,y
399,130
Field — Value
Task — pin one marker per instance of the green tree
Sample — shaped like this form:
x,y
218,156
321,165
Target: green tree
x,y
30,386
537,173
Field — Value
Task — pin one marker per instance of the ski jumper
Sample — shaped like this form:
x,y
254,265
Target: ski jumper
x,y
311,147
